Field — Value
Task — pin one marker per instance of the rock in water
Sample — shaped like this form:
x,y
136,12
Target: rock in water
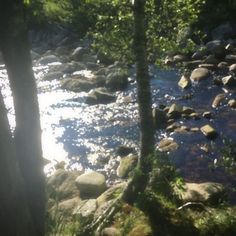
x,y
208,131
218,100
184,82
199,74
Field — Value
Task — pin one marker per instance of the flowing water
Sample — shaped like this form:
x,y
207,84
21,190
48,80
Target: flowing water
x,y
85,137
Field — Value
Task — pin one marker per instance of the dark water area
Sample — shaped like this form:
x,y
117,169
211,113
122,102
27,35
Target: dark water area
x,y
86,137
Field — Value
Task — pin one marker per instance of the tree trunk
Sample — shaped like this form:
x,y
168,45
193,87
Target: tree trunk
x,y
27,135
138,184
15,217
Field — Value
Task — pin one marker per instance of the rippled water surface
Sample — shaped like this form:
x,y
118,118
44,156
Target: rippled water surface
x,y
86,136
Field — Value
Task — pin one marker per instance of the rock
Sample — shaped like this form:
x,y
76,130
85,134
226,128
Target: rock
x,y
232,103
233,68
192,64
208,192
230,58
61,185
48,59
229,47
199,74
111,231
88,58
210,59
229,80
208,66
67,206
184,82
175,111
172,127
194,129
111,193
124,150
187,110
216,47
117,80
159,118
92,66
208,131
126,165
91,184
78,53
167,145
100,96
218,100
86,208
223,31
207,114
77,84
223,65
179,58
53,75
200,53
195,116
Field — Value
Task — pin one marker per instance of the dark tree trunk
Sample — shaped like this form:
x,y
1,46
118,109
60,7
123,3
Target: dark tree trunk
x,y
15,217
144,101
27,136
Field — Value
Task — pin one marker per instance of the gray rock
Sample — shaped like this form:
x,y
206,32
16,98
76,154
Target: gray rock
x,y
126,165
67,206
230,58
86,208
117,80
91,184
48,59
200,53
208,66
208,131
159,118
184,82
216,47
208,192
211,59
218,100
192,64
199,74
100,96
77,84
53,75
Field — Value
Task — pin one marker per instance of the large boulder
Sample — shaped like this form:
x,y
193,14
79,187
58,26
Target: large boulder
x,y
208,192
199,74
216,47
117,79
91,184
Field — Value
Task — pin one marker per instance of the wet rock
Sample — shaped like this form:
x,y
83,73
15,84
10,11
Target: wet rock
x,y
77,84
111,231
91,184
159,118
182,129
167,145
62,184
53,75
230,58
208,192
48,59
192,64
199,74
117,80
207,114
187,110
175,111
124,150
200,53
211,59
184,82
78,53
229,80
208,131
216,47
86,208
233,68
218,100
100,96
232,103
195,116
126,165
172,127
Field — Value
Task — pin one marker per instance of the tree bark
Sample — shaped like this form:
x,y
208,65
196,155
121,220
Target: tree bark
x,y
139,182
27,135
